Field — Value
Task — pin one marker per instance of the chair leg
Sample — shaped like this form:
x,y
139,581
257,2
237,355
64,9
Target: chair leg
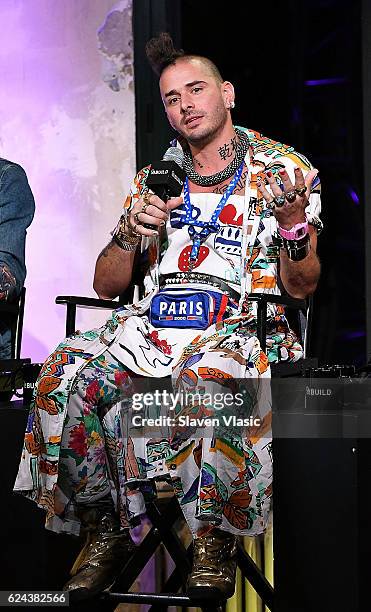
x,y
162,520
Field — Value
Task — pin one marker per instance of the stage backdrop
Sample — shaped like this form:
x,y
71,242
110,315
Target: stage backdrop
x,y
67,116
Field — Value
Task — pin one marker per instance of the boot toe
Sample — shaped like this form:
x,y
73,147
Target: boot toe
x,y
206,594
214,567
78,593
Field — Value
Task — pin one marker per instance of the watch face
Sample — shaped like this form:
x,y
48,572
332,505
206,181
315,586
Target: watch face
x,y
300,233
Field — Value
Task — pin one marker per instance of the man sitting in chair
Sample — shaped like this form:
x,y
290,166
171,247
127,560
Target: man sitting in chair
x,y
17,207
246,222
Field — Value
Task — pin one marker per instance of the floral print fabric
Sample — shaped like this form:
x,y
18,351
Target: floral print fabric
x,y
80,444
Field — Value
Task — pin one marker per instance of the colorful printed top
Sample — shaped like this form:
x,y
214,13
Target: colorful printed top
x,y
224,479
242,252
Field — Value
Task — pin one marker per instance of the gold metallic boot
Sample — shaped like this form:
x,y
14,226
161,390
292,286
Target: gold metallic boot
x,y
214,566
106,551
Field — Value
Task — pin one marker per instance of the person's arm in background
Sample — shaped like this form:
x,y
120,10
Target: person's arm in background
x,y
17,207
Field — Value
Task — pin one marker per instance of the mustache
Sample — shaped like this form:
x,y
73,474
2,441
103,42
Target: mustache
x,y
189,116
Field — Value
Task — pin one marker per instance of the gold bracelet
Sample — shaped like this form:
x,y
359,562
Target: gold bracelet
x,y
125,244
121,233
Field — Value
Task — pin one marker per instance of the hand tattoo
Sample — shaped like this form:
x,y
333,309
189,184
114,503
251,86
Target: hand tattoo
x,y
8,283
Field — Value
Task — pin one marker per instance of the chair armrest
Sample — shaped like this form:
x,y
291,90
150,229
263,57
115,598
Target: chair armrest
x,y
285,300
86,302
72,301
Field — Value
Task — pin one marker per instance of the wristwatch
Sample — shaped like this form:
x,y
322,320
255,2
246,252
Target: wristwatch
x,y
297,232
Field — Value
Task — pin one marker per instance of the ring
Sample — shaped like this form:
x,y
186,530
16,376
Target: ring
x,y
137,218
279,200
145,198
134,229
270,204
146,201
290,195
301,191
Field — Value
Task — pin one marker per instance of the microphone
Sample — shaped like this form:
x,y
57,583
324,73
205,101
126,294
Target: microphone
x,y
166,178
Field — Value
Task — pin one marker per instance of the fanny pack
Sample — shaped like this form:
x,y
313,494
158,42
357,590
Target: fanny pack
x,y
188,308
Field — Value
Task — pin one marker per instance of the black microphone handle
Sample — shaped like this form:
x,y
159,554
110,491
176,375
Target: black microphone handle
x,y
162,192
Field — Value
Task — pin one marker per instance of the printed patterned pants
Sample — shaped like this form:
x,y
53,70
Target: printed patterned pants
x,y
221,475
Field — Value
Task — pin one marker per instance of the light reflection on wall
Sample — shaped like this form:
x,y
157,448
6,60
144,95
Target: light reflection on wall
x,y
75,137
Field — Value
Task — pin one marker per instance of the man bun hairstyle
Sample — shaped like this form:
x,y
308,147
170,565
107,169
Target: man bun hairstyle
x,y
161,53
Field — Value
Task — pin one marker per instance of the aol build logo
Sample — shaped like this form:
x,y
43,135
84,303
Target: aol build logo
x,y
311,391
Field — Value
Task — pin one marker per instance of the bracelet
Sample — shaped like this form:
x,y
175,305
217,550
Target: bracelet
x,y
297,249
125,244
122,238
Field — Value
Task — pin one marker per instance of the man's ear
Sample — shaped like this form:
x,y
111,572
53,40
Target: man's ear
x,y
228,94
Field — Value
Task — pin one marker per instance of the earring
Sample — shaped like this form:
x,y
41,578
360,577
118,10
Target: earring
x,y
232,104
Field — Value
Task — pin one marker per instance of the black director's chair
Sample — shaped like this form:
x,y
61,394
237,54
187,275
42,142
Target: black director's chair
x,y
11,314
165,513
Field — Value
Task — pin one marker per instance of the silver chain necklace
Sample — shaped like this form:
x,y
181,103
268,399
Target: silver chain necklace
x,y
214,179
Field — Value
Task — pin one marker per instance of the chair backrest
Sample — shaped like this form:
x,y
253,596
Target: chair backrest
x,y
297,306
300,321
19,324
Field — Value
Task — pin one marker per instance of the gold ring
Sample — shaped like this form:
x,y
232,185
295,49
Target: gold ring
x,y
271,205
134,229
146,198
301,191
136,217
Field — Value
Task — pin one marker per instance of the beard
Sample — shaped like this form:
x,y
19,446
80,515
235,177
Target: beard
x,y
203,135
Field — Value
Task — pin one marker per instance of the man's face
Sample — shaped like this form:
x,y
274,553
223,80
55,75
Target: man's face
x,y
195,103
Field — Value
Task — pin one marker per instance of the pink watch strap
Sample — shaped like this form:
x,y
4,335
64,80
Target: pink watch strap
x,y
296,232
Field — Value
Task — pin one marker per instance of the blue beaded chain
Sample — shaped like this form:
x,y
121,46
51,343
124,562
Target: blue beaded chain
x,y
207,226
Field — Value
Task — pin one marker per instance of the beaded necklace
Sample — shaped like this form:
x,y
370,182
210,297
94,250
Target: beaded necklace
x,y
207,226
214,179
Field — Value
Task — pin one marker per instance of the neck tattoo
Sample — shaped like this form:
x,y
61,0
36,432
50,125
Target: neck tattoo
x,y
228,148
237,145
197,163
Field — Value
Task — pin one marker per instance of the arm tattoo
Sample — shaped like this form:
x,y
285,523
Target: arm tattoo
x,y
8,283
106,251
